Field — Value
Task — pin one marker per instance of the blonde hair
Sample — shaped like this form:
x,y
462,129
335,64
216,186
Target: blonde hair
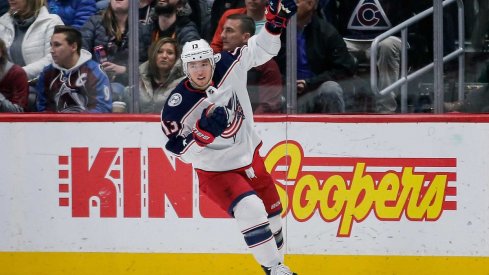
x,y
153,71
32,9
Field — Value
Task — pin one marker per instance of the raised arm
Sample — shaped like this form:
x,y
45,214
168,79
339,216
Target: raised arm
x,y
266,44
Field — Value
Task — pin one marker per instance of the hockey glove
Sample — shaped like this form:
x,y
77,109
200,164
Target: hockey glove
x,y
177,144
278,13
211,124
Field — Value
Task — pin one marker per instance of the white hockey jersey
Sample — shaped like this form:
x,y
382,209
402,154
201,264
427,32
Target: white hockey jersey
x,y
235,147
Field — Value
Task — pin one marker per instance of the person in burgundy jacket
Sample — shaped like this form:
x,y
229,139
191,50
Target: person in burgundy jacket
x,y
14,89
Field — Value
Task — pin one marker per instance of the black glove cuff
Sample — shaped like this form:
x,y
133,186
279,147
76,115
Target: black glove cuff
x,y
273,28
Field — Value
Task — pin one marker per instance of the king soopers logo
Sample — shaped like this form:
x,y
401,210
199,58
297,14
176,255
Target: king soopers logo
x,y
139,183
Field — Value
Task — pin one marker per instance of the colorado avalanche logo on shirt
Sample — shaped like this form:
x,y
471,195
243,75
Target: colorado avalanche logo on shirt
x,y
81,80
175,100
369,15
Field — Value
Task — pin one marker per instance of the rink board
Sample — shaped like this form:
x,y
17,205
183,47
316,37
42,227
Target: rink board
x,y
370,195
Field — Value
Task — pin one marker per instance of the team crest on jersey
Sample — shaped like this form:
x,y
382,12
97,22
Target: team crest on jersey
x,y
175,100
217,57
369,15
236,117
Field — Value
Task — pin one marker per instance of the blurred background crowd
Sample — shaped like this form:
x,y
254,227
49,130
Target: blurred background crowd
x,y
73,56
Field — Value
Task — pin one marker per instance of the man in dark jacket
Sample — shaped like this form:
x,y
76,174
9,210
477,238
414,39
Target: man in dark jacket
x,y
322,61
172,20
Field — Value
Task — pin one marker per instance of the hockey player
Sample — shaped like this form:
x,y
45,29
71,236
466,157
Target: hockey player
x,y
208,121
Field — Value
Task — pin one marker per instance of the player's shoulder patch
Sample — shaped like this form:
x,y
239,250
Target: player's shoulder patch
x,y
175,100
217,57
227,59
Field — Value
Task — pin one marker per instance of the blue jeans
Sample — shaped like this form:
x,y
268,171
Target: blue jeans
x,y
327,98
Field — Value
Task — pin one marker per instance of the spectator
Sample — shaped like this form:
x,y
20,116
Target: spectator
x,y
322,61
172,20
265,81
145,7
329,9
26,30
218,9
73,83
73,12
359,23
159,75
254,9
14,89
105,35
201,16
3,7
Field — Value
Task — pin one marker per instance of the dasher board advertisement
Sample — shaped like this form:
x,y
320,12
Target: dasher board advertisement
x,y
376,188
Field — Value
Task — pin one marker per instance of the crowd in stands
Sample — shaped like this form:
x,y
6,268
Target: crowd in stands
x,y
83,66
